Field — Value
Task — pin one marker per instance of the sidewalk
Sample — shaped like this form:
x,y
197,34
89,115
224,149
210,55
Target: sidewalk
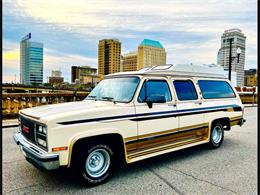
x,y
10,123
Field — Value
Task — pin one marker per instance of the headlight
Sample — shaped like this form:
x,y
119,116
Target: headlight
x,y
41,129
41,135
44,130
42,142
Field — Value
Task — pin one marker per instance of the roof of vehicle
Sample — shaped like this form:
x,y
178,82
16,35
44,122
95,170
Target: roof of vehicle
x,y
187,70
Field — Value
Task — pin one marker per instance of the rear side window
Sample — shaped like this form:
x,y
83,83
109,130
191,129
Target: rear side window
x,y
215,89
154,87
185,90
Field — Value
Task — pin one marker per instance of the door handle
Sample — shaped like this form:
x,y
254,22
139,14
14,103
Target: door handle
x,y
174,105
199,103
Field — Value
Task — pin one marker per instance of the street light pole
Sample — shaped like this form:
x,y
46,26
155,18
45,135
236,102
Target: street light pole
x,y
230,58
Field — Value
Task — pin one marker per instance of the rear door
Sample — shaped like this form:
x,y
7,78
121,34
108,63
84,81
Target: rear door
x,y
189,106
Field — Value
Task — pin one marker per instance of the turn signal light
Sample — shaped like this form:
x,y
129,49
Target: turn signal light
x,y
59,149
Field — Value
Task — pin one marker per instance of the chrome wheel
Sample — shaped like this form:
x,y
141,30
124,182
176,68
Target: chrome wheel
x,y
97,163
217,134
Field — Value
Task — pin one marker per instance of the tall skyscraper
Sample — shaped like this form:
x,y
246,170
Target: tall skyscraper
x,y
150,53
109,53
130,61
238,41
31,61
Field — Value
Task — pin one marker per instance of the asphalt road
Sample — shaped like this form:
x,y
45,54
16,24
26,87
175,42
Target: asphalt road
x,y
231,169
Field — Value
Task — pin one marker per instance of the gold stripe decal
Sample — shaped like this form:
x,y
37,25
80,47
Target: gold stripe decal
x,y
150,142
134,138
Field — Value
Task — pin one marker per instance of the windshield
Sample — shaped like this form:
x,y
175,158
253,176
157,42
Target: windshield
x,y
115,89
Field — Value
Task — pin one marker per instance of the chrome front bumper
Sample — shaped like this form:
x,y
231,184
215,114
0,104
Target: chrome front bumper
x,y
35,155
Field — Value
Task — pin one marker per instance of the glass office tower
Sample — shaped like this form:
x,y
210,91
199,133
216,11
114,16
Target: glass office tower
x,y
31,61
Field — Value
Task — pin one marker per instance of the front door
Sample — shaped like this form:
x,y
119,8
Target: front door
x,y
155,123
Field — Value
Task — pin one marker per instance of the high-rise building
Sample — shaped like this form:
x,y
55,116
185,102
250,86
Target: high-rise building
x,y
238,41
109,54
130,61
79,72
31,61
121,63
150,53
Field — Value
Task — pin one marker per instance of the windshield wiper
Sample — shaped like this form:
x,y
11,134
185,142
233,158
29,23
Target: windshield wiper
x,y
107,98
92,96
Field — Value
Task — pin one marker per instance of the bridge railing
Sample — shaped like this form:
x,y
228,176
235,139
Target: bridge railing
x,y
249,97
13,102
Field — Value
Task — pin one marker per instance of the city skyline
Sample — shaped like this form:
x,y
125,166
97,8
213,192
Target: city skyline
x,y
190,32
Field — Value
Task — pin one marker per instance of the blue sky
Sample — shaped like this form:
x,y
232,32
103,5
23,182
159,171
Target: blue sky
x,y
189,30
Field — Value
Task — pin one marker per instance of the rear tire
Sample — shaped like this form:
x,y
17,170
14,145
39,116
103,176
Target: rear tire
x,y
96,163
216,135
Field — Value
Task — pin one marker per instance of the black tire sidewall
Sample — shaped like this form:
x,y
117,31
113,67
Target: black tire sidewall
x,y
86,177
212,143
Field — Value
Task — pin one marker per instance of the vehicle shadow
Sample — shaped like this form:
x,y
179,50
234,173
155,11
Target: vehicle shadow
x,y
64,178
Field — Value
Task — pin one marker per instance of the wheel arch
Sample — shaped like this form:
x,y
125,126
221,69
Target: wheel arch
x,y
225,122
80,141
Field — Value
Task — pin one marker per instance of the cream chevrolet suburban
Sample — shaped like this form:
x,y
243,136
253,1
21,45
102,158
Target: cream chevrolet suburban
x,y
131,116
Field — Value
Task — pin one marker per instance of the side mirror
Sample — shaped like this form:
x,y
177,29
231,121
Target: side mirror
x,y
155,99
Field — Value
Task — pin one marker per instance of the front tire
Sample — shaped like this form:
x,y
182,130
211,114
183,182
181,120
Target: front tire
x,y
96,164
216,135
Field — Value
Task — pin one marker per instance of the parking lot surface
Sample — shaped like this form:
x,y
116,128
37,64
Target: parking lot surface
x,y
230,169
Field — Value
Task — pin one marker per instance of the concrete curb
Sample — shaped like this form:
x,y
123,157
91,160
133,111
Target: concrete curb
x,y
10,126
255,105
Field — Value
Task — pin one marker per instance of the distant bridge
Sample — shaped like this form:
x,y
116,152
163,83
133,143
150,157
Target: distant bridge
x,y
21,87
13,102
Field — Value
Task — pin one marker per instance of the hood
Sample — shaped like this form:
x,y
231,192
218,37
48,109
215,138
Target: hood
x,y
41,112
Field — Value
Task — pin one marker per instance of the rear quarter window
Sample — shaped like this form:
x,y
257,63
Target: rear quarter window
x,y
185,90
216,89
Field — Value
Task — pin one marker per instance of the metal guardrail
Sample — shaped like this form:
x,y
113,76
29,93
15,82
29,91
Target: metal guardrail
x,y
248,97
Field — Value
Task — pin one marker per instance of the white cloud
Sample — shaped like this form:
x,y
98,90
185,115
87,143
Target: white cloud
x,y
137,15
93,20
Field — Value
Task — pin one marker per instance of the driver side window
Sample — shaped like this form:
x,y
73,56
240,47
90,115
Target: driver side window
x,y
154,88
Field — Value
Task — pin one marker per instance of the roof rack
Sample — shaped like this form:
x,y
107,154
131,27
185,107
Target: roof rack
x,y
211,70
187,70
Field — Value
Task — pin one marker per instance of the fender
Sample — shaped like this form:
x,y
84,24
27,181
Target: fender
x,y
89,134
